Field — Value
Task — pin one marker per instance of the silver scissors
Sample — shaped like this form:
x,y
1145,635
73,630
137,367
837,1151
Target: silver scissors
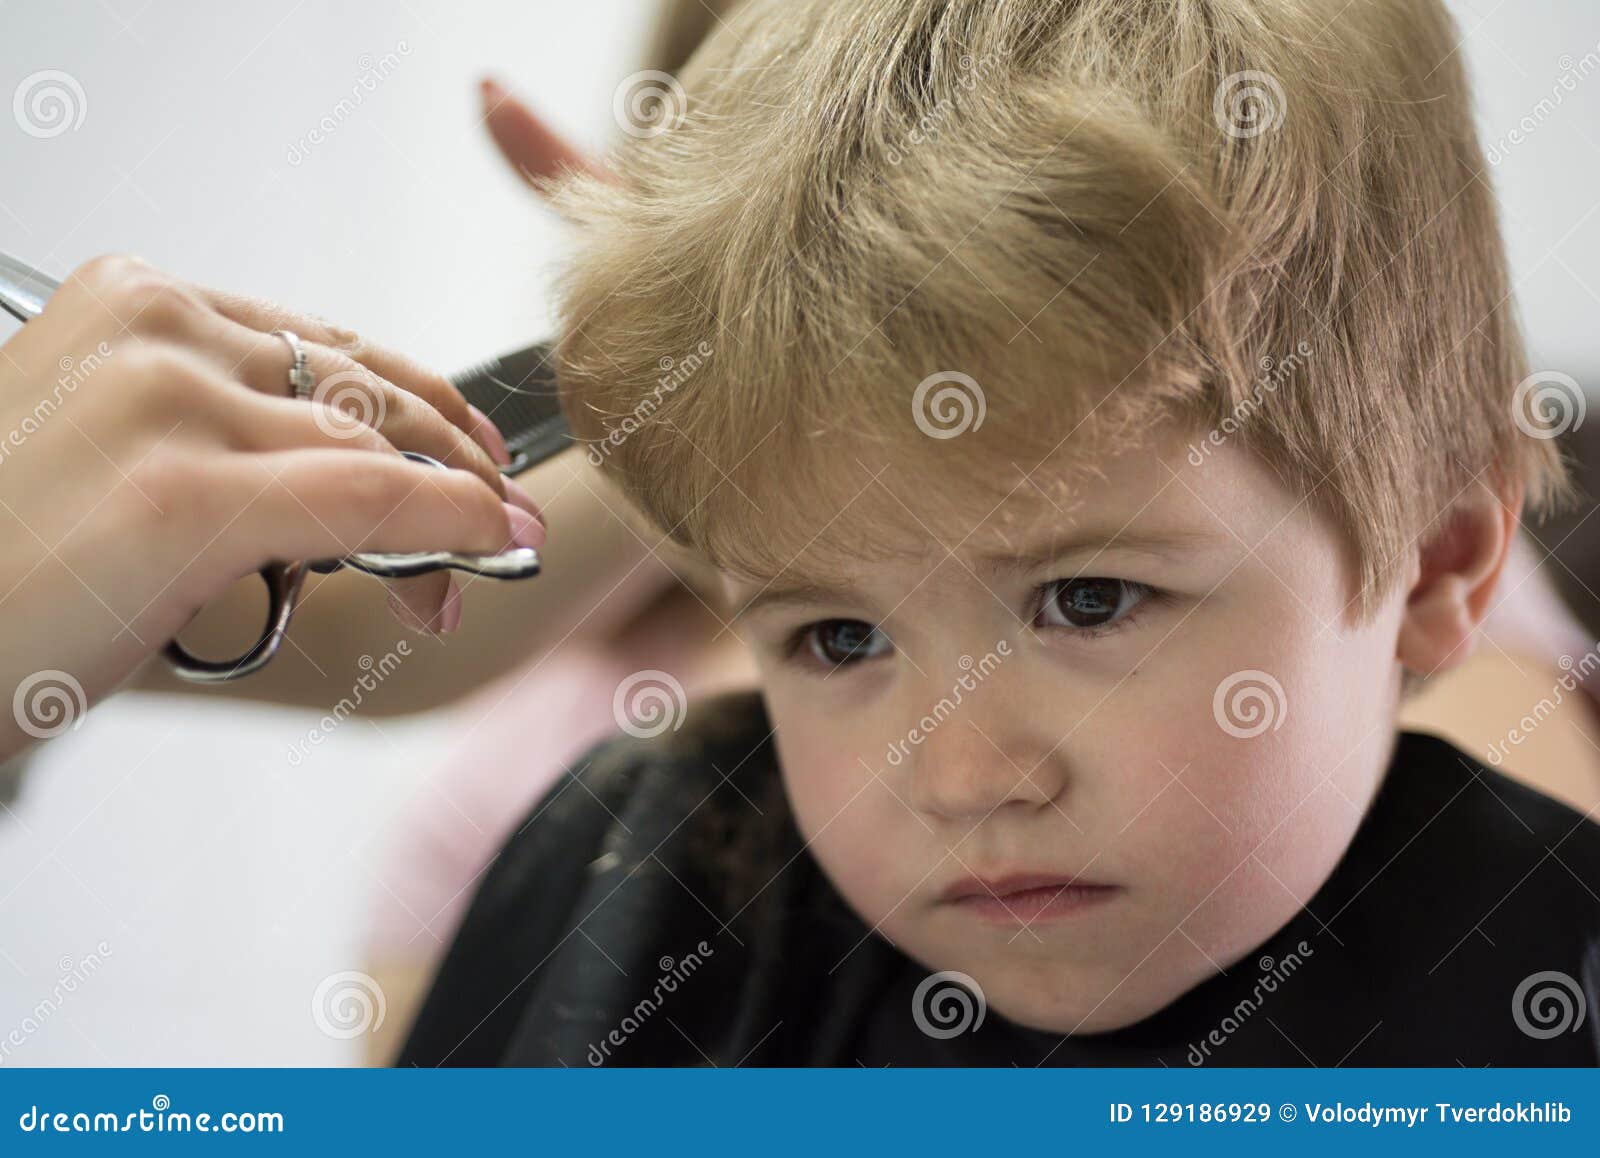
x,y
23,294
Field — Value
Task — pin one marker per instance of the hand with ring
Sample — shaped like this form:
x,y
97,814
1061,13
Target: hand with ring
x,y
159,440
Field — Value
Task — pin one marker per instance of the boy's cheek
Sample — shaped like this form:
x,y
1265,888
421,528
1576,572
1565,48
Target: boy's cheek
x,y
850,817
1261,821
871,854
1244,770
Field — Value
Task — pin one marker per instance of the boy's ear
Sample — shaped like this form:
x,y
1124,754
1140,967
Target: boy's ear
x,y
1454,577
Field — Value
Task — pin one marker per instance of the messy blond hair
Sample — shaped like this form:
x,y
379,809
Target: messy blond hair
x,y
1080,218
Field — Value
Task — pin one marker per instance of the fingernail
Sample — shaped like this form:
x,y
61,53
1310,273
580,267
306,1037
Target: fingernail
x,y
405,614
526,531
493,441
518,497
450,613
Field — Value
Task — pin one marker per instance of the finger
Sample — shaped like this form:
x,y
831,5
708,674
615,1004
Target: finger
x,y
532,147
327,504
419,602
489,436
390,365
265,423
352,389
268,424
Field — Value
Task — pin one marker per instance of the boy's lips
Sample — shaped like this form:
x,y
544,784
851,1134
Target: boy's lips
x,y
1027,897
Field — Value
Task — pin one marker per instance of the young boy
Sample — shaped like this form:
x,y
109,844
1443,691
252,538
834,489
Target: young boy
x,y
1101,413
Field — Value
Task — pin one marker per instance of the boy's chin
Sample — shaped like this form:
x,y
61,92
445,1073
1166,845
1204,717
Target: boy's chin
x,y
1076,1017
1098,1003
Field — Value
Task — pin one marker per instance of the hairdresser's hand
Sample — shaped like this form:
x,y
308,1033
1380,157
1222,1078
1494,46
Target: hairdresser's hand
x,y
532,147
150,455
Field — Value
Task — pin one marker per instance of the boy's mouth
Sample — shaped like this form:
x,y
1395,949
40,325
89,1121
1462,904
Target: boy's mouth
x,y
1027,897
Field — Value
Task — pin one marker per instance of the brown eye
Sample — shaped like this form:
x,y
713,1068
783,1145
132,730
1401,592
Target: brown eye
x,y
1089,603
841,641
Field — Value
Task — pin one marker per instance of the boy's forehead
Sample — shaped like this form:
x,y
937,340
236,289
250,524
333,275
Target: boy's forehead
x,y
1001,515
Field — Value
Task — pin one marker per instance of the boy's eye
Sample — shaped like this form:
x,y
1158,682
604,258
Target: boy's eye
x,y
840,641
1089,603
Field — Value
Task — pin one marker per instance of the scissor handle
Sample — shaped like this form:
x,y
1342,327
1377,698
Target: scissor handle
x,y
283,582
23,289
516,563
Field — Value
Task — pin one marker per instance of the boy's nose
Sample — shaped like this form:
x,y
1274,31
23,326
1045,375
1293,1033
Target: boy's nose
x,y
972,763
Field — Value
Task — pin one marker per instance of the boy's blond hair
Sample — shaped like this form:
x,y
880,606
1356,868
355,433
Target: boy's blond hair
x,y
1048,225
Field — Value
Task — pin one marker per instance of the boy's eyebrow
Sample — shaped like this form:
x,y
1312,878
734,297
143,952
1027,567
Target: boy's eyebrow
x,y
1170,542
803,591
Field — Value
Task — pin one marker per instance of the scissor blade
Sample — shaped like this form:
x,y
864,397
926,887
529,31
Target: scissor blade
x,y
23,289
